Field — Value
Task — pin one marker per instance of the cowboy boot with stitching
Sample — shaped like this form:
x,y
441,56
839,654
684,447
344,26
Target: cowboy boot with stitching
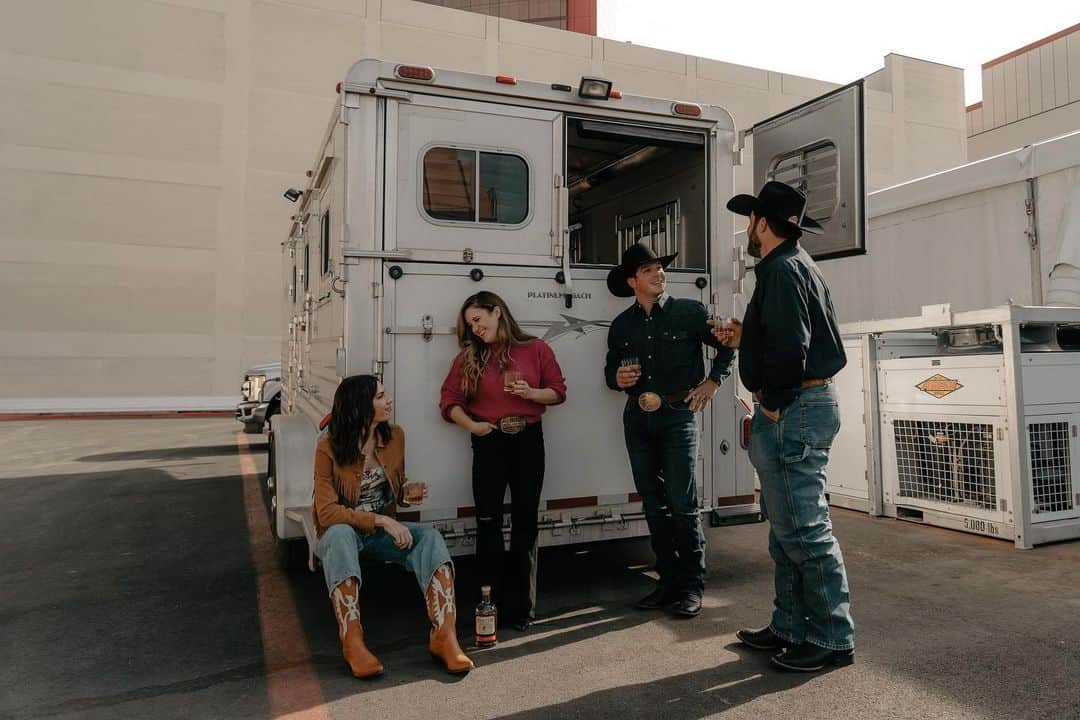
x,y
443,642
346,602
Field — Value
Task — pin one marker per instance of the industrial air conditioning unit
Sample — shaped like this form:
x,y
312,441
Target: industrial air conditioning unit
x,y
976,425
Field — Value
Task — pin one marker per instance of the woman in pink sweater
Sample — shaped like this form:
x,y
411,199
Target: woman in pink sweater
x,y
497,389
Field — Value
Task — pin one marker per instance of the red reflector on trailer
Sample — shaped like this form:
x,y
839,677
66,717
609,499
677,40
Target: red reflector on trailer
x,y
744,441
337,89
688,109
615,95
506,79
414,72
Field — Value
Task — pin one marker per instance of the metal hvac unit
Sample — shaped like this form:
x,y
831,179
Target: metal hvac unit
x,y
978,429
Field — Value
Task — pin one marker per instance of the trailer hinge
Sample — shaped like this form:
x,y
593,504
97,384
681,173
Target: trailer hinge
x,y
376,290
427,324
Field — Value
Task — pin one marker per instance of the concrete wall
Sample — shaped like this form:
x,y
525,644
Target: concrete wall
x,y
144,146
1029,95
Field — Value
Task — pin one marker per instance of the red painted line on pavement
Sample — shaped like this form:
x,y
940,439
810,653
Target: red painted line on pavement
x,y
291,683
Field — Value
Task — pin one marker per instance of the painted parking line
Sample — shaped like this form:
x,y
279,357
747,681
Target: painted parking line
x,y
292,684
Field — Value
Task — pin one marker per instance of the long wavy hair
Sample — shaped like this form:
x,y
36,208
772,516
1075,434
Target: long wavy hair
x,y
475,353
352,418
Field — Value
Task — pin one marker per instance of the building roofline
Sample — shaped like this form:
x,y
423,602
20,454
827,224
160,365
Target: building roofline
x,y
1027,48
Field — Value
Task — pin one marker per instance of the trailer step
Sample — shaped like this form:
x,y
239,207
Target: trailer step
x,y
302,516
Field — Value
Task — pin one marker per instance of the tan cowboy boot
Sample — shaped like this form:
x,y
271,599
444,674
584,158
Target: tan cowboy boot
x,y
443,642
346,602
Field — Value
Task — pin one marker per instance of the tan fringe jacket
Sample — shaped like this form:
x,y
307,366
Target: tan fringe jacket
x,y
337,488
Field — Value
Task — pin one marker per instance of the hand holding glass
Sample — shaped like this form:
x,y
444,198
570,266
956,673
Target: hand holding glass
x,y
510,377
415,492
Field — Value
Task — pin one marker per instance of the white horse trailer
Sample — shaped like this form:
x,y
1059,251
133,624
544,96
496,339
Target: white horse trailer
x,y
430,185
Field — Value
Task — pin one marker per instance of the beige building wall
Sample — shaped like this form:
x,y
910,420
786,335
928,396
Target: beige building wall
x,y
1029,95
144,146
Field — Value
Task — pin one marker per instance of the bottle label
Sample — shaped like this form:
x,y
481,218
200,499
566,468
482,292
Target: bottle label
x,y
485,625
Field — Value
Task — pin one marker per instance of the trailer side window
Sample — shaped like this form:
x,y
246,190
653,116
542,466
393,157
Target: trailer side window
x,y
325,244
813,171
307,265
462,185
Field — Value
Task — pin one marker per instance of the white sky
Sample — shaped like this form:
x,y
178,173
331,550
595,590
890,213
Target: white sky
x,y
838,40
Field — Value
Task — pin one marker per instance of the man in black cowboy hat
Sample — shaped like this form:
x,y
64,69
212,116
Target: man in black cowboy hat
x,y
654,356
789,350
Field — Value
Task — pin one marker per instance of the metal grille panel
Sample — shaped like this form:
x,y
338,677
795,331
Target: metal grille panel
x,y
948,462
1051,467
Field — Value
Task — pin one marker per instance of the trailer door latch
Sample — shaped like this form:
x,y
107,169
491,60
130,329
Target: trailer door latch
x,y
427,324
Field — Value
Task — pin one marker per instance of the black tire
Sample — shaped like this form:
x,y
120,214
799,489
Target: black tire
x,y
293,554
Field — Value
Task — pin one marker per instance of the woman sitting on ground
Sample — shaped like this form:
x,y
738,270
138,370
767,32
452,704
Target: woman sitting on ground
x,y
359,477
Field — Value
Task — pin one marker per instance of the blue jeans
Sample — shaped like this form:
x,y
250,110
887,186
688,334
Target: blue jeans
x,y
663,449
342,548
811,601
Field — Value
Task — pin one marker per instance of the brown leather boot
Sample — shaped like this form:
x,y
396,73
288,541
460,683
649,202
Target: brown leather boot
x,y
443,642
346,602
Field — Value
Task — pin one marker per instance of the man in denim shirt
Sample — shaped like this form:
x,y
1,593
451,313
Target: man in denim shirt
x,y
666,386
789,350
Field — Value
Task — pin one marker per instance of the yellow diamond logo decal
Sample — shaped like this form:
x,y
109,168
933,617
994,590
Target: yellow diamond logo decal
x,y
939,386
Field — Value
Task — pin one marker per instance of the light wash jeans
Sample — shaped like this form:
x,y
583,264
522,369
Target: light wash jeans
x,y
342,548
811,602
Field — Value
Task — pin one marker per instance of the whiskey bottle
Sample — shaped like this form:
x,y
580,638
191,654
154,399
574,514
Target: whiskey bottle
x,y
486,619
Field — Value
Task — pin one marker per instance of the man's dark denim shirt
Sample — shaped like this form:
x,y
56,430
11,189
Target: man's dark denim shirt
x,y
789,331
667,343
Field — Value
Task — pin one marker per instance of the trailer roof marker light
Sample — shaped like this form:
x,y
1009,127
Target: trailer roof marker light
x,y
594,88
415,72
337,88
687,109
615,95
506,79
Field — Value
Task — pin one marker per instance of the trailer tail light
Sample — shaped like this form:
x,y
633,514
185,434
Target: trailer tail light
x,y
415,72
747,423
506,79
687,109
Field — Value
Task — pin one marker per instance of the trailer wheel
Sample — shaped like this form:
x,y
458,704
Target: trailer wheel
x,y
293,555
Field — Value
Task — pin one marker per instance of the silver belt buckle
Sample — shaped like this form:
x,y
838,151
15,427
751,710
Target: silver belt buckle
x,y
649,402
511,424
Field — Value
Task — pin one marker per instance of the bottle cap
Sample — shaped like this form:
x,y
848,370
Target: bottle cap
x,y
485,589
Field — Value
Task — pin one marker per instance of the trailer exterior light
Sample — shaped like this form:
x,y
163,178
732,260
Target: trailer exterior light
x,y
506,79
594,88
688,109
415,72
561,87
615,95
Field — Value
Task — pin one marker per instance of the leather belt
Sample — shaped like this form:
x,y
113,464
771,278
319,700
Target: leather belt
x,y
813,382
651,402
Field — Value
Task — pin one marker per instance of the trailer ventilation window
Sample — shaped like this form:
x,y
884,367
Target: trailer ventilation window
x,y
472,186
814,172
325,242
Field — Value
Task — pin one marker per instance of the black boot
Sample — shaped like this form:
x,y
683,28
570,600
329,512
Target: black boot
x,y
806,657
659,598
761,639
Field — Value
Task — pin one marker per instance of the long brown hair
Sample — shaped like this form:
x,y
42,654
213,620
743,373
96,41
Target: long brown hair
x,y
352,419
475,353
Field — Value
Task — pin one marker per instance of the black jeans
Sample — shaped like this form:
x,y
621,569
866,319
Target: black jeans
x,y
663,448
518,461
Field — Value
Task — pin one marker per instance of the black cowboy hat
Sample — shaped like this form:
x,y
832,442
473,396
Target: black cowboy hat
x,y
780,203
632,258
